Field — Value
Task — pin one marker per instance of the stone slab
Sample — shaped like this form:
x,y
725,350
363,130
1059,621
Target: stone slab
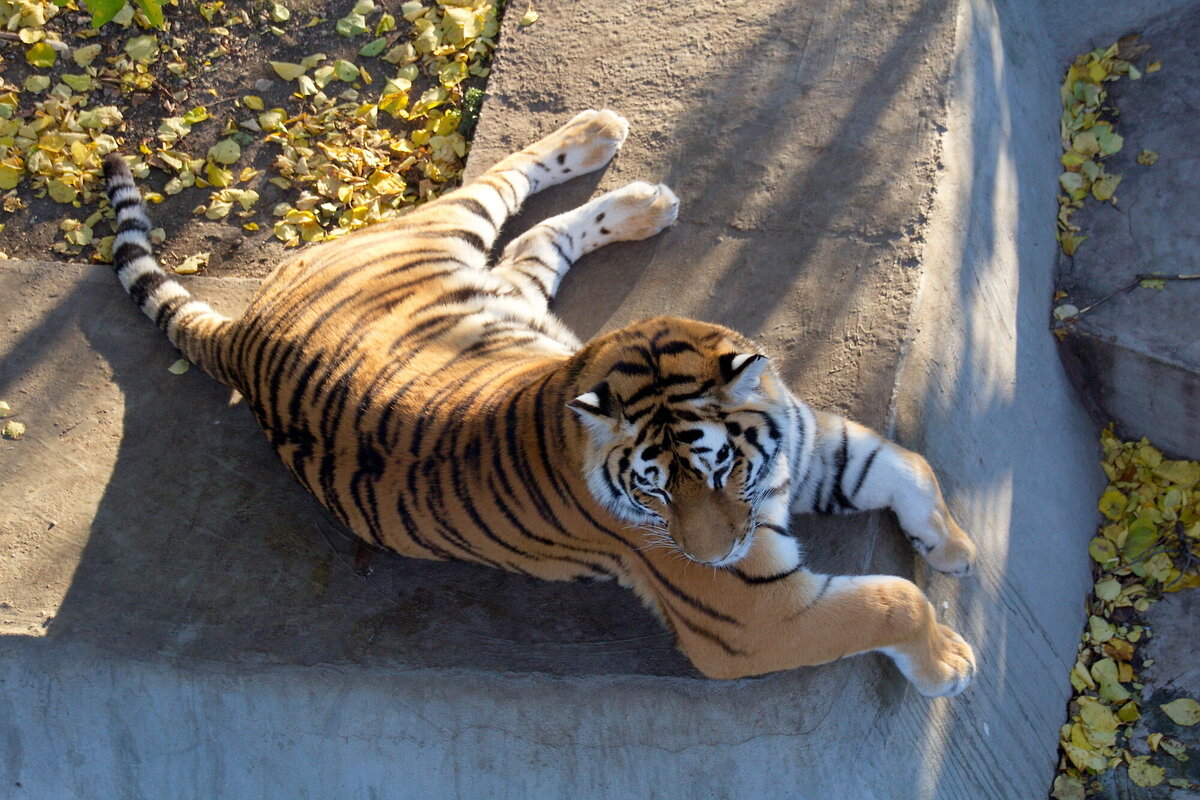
x,y
1137,356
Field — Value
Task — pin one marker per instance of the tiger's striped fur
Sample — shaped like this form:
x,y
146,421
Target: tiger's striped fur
x,y
439,410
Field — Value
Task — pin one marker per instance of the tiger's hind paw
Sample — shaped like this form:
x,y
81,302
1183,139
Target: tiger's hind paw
x,y
585,144
946,667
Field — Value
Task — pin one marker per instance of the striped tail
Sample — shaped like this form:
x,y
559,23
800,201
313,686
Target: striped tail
x,y
199,332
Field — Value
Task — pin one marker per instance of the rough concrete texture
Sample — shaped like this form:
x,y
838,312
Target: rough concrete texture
x,y
867,188
1128,354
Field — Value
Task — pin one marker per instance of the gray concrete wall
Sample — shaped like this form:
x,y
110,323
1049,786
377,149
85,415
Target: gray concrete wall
x,y
179,621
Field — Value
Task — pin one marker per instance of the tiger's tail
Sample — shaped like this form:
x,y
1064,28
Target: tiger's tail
x,y
199,332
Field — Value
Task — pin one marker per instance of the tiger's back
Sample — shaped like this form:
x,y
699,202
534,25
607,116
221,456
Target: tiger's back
x,y
432,402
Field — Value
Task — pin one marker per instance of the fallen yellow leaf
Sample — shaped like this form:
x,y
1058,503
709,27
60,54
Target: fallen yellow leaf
x,y
1184,711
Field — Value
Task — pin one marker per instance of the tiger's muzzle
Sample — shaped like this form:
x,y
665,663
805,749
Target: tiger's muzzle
x,y
711,526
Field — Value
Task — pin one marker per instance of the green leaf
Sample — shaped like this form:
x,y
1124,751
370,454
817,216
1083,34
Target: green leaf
x,y
373,48
86,55
1102,550
1105,673
1071,181
80,83
61,192
153,11
37,83
1103,188
1110,142
9,177
197,114
352,25
345,70
1100,629
287,70
1067,787
142,48
225,151
1112,503
41,55
104,10
1184,473
1142,537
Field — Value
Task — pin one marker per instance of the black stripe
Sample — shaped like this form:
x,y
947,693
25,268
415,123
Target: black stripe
x,y
561,253
630,368
134,224
536,280
755,579
146,285
673,348
866,468
471,204
127,252
516,201
168,308
837,494
815,599
704,633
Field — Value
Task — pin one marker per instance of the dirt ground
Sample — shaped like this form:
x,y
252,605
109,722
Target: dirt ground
x,y
211,56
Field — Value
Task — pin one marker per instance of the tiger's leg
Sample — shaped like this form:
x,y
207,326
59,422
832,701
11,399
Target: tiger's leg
x,y
471,217
855,469
536,261
771,613
768,612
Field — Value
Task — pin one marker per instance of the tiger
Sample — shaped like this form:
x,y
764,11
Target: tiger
x,y
431,401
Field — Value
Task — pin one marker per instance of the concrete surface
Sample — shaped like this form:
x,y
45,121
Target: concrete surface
x,y
867,188
1128,354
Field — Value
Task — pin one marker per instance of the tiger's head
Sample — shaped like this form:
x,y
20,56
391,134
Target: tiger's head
x,y
682,421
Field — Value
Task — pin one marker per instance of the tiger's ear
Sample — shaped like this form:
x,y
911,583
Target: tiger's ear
x,y
595,409
741,373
